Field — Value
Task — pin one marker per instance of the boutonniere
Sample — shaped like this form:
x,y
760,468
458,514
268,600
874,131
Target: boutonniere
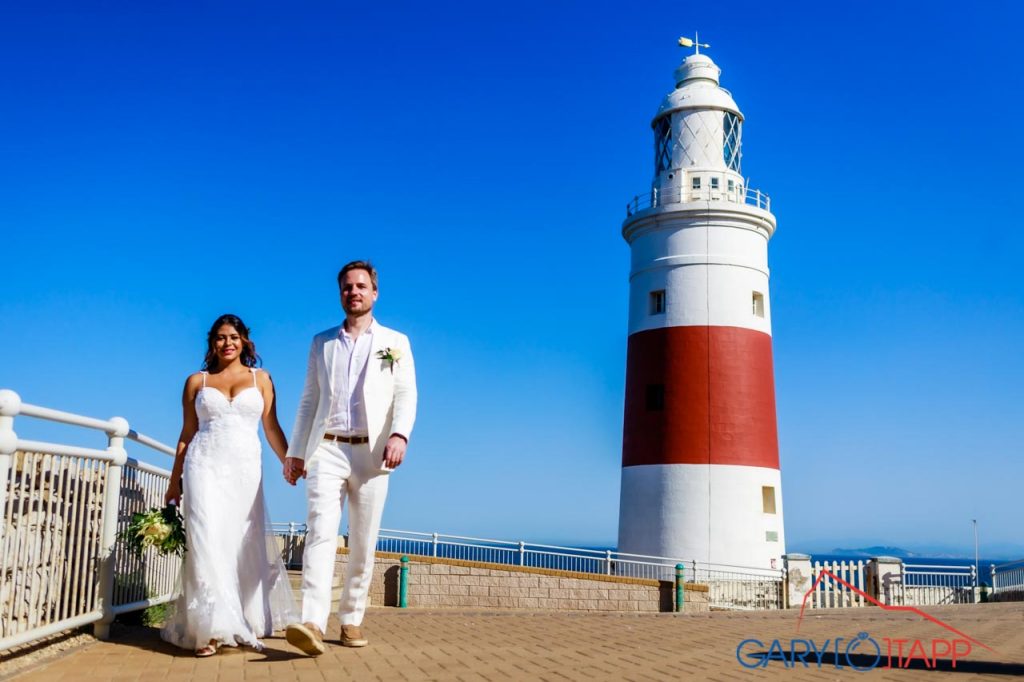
x,y
391,356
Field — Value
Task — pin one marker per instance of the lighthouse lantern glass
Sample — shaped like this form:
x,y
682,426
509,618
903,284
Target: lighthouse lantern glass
x,y
663,144
731,148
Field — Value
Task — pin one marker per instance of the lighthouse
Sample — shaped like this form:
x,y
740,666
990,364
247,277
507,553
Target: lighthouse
x,y
700,454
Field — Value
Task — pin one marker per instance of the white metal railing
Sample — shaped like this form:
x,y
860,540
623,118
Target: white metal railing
x,y
925,585
729,587
680,195
733,587
290,538
61,508
842,586
736,587
1008,577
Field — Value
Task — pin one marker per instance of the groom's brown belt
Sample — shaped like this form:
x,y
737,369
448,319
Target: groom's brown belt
x,y
354,440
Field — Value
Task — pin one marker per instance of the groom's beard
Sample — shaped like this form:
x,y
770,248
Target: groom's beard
x,y
358,313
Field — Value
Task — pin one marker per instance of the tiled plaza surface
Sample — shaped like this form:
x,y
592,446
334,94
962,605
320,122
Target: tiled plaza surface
x,y
422,644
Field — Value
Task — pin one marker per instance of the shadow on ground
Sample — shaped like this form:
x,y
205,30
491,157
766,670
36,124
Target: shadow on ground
x,y
148,639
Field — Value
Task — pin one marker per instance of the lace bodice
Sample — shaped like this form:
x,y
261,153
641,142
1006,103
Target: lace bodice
x,y
212,405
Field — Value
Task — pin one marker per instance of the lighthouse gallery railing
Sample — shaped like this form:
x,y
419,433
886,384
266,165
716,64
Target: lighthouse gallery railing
x,y
665,197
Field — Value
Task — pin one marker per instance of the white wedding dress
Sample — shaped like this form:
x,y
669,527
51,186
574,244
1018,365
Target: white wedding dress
x,y
234,588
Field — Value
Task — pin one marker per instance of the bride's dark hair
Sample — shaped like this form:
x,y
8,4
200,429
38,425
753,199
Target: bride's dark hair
x,y
249,357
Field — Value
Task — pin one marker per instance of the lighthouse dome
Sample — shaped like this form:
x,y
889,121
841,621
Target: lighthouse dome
x,y
697,88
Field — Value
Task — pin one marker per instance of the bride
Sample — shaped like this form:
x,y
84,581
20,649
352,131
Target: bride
x,y
234,589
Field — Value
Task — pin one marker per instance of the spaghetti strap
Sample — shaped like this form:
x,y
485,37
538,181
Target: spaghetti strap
x,y
254,370
204,379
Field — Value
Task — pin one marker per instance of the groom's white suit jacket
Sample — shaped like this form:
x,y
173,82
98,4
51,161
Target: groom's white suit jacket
x,y
389,393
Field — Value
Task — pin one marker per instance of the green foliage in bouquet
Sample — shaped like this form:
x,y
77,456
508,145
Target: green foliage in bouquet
x,y
159,528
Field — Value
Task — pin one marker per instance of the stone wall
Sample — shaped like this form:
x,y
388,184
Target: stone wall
x,y
448,583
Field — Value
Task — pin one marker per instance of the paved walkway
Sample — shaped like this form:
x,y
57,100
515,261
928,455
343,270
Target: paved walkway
x,y
421,644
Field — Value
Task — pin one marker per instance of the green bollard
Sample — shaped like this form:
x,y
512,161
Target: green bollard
x,y
680,589
403,584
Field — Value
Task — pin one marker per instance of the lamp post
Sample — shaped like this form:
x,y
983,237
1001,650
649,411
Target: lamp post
x,y
976,566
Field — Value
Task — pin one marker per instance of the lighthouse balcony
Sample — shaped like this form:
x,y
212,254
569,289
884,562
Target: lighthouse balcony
x,y
738,194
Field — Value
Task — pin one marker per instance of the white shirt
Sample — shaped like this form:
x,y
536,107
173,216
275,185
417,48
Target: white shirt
x,y
347,416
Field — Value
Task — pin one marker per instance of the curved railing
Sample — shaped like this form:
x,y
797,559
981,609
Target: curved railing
x,y
656,198
61,510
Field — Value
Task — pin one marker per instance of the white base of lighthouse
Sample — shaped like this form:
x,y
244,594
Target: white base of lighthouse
x,y
717,513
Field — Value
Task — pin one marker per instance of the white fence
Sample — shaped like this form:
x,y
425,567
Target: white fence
x,y
1008,580
732,587
925,585
838,584
61,508
739,587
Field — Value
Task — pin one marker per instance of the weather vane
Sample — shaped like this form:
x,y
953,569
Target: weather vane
x,y
686,42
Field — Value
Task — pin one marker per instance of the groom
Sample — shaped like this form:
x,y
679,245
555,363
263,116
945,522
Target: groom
x,y
352,428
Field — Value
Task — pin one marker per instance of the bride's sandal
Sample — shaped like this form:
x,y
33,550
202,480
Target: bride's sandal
x,y
208,650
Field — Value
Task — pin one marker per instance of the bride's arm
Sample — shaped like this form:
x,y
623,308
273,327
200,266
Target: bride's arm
x,y
271,427
189,426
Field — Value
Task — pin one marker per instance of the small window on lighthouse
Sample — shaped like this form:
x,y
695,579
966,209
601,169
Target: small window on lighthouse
x,y
695,182
658,302
714,183
768,499
758,304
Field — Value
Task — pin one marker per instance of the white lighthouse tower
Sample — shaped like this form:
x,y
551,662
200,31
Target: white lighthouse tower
x,y
700,454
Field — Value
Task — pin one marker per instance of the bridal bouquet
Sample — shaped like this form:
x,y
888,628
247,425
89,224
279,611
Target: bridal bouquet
x,y
160,528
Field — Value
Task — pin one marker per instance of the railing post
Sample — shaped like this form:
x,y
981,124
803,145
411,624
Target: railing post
x,y
522,553
608,561
108,538
435,544
403,584
991,569
10,406
680,589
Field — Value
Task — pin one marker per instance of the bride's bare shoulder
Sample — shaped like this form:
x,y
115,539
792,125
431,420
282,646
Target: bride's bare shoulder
x,y
194,382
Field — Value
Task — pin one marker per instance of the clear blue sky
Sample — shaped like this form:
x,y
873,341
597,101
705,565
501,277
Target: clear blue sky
x,y
164,163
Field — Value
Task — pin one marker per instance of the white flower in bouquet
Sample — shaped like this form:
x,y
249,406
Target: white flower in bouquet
x,y
159,528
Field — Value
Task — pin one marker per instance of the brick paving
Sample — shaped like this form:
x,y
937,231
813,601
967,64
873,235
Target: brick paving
x,y
428,644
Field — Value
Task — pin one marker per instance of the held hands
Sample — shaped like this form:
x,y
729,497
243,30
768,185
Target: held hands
x,y
394,451
293,469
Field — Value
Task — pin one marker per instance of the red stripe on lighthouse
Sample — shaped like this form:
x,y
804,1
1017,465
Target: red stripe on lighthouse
x,y
717,405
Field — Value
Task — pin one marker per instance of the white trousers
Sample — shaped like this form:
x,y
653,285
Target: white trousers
x,y
338,470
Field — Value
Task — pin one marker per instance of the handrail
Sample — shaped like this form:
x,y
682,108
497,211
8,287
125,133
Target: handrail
x,y
151,443
29,410
533,548
82,498
655,197
1009,564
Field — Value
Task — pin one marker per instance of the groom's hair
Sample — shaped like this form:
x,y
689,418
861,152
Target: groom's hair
x,y
359,265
